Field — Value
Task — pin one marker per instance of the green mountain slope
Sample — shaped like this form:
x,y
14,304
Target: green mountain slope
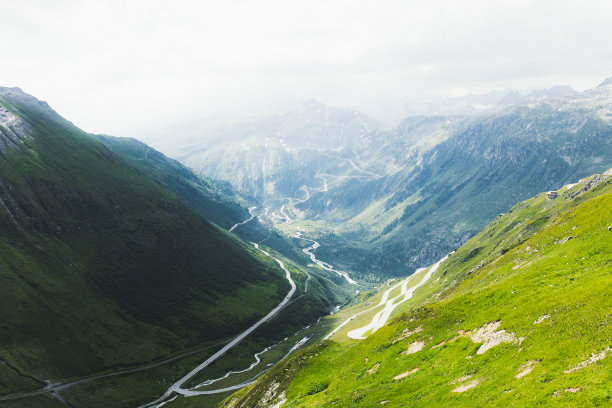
x,y
214,200
518,316
101,266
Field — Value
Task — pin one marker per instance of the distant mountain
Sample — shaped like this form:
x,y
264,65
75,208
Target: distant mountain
x,y
606,83
516,99
392,110
308,125
386,202
268,155
103,265
440,197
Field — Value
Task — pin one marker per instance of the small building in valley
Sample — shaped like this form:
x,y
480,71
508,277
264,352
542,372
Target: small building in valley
x,y
551,195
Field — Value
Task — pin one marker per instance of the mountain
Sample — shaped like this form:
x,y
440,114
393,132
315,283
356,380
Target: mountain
x,y
392,110
386,202
606,83
103,266
444,195
269,154
514,98
517,316
214,200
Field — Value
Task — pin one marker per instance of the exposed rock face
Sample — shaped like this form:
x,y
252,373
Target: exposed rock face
x,y
490,336
594,357
13,130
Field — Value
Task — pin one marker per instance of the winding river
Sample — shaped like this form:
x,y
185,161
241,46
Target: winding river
x,y
324,265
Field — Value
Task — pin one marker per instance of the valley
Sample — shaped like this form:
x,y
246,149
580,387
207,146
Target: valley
x,y
212,278
315,204
519,313
383,202
123,283
340,223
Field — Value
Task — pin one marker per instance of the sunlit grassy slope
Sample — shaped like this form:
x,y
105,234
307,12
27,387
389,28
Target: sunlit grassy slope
x,y
518,316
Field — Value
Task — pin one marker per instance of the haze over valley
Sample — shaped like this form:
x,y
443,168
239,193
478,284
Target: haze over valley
x,y
283,204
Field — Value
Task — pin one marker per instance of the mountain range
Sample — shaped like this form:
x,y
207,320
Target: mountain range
x,y
310,256
518,316
386,202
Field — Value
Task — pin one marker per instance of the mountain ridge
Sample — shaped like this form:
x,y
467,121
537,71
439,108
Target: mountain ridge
x,y
79,224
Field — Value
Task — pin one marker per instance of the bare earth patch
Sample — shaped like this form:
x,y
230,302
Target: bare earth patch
x,y
406,374
414,347
490,336
407,333
526,368
374,369
465,387
594,357
449,341
273,400
282,398
559,393
461,379
541,319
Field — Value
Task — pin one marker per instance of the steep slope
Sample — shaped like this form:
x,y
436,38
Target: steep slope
x,y
518,316
100,265
214,200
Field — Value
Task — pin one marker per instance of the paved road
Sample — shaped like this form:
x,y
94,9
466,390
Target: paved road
x,y
177,387
381,318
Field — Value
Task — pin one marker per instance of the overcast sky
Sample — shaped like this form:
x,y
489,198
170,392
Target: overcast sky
x,y
115,66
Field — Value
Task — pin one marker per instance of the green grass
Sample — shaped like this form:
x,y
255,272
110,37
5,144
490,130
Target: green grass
x,y
102,267
519,269
214,200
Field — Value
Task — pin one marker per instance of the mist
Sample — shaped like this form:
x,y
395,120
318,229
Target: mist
x,y
122,68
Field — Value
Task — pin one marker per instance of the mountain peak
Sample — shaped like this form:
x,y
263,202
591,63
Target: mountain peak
x,y
11,90
606,83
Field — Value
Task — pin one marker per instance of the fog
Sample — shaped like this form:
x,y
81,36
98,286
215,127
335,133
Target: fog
x,y
124,67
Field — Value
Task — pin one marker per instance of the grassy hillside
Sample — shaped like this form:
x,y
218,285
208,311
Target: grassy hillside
x,y
101,266
518,316
444,195
214,200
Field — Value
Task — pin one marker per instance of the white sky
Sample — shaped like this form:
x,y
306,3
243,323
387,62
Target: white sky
x,y
115,66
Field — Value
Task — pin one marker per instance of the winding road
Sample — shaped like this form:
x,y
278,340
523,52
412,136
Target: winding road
x,y
324,265
177,387
381,318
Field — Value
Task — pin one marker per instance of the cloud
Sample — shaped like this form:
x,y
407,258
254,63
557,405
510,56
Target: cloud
x,y
113,65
